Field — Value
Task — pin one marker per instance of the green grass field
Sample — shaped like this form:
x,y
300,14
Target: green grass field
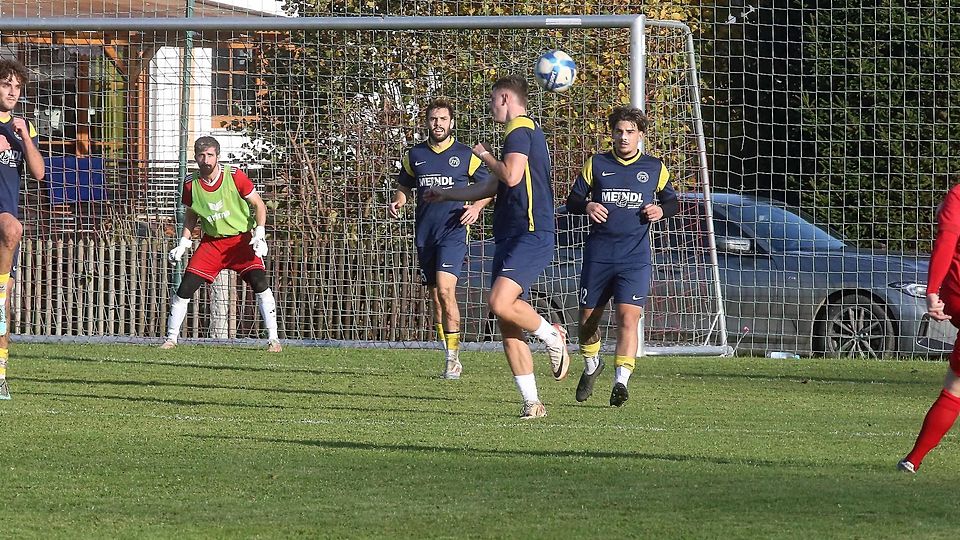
x,y
203,441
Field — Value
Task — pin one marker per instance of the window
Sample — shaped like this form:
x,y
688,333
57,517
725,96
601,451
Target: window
x,y
235,85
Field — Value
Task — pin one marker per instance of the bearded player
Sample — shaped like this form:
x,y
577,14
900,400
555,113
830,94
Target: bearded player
x,y
219,198
441,227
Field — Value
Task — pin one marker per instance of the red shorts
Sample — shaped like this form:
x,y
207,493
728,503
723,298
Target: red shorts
x,y
231,252
951,306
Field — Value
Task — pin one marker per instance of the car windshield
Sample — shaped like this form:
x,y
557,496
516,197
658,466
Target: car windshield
x,y
783,229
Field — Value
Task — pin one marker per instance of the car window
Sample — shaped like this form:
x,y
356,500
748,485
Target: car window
x,y
724,227
689,227
780,228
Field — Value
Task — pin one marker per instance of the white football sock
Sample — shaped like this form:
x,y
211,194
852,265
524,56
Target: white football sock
x,y
548,334
623,375
527,384
178,312
590,364
268,310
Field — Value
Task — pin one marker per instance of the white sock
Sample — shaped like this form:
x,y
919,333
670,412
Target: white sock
x,y
623,375
547,333
527,385
268,310
178,312
590,364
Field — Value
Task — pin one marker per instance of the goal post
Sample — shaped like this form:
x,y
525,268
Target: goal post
x,y
319,111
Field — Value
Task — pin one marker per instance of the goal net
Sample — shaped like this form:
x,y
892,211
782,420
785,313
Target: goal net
x,y
319,116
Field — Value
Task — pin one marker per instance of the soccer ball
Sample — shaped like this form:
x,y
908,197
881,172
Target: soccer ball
x,y
555,71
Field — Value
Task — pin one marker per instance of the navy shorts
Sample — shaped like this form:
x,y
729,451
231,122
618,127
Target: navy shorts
x,y
443,257
523,258
625,283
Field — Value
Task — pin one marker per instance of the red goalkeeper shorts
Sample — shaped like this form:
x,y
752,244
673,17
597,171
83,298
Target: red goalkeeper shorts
x,y
230,252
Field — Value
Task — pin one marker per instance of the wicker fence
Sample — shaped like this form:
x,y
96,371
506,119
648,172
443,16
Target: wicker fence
x,y
324,291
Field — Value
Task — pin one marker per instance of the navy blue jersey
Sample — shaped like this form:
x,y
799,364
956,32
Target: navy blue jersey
x,y
451,165
623,187
11,166
527,206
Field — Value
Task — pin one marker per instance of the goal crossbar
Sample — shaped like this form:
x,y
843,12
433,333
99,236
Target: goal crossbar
x,y
254,24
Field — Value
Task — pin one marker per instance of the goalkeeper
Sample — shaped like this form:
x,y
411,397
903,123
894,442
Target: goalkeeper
x,y
622,192
219,197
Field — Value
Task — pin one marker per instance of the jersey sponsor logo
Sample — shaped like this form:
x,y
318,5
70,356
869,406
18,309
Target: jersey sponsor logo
x,y
607,173
419,163
431,180
10,157
216,207
622,198
454,161
643,177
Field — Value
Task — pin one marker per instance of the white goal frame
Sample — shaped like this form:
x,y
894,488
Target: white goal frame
x,y
715,343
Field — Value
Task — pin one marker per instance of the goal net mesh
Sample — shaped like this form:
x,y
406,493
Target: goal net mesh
x,y
319,120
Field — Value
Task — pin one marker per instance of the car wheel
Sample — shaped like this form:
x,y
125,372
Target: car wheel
x,y
855,327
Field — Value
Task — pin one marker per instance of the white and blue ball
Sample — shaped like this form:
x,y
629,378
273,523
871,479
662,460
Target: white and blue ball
x,y
555,71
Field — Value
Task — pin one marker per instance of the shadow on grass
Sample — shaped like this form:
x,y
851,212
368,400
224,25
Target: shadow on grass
x,y
199,403
194,365
235,387
164,401
473,452
798,378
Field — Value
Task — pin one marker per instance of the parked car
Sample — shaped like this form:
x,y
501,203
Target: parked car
x,y
787,284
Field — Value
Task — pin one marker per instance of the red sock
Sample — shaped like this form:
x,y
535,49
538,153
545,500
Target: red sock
x,y
939,420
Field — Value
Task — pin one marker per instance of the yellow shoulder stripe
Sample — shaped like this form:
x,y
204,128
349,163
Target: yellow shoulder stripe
x,y
528,180
588,171
519,122
664,176
406,164
475,164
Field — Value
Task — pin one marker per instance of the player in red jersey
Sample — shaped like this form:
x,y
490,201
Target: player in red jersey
x,y
219,198
943,303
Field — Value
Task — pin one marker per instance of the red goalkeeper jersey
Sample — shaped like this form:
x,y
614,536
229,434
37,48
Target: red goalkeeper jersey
x,y
945,259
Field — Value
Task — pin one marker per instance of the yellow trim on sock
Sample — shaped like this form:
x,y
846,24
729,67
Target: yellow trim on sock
x,y
4,355
453,341
440,334
625,361
590,349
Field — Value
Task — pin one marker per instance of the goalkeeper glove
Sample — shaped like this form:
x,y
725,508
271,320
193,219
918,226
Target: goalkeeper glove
x,y
177,253
258,241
